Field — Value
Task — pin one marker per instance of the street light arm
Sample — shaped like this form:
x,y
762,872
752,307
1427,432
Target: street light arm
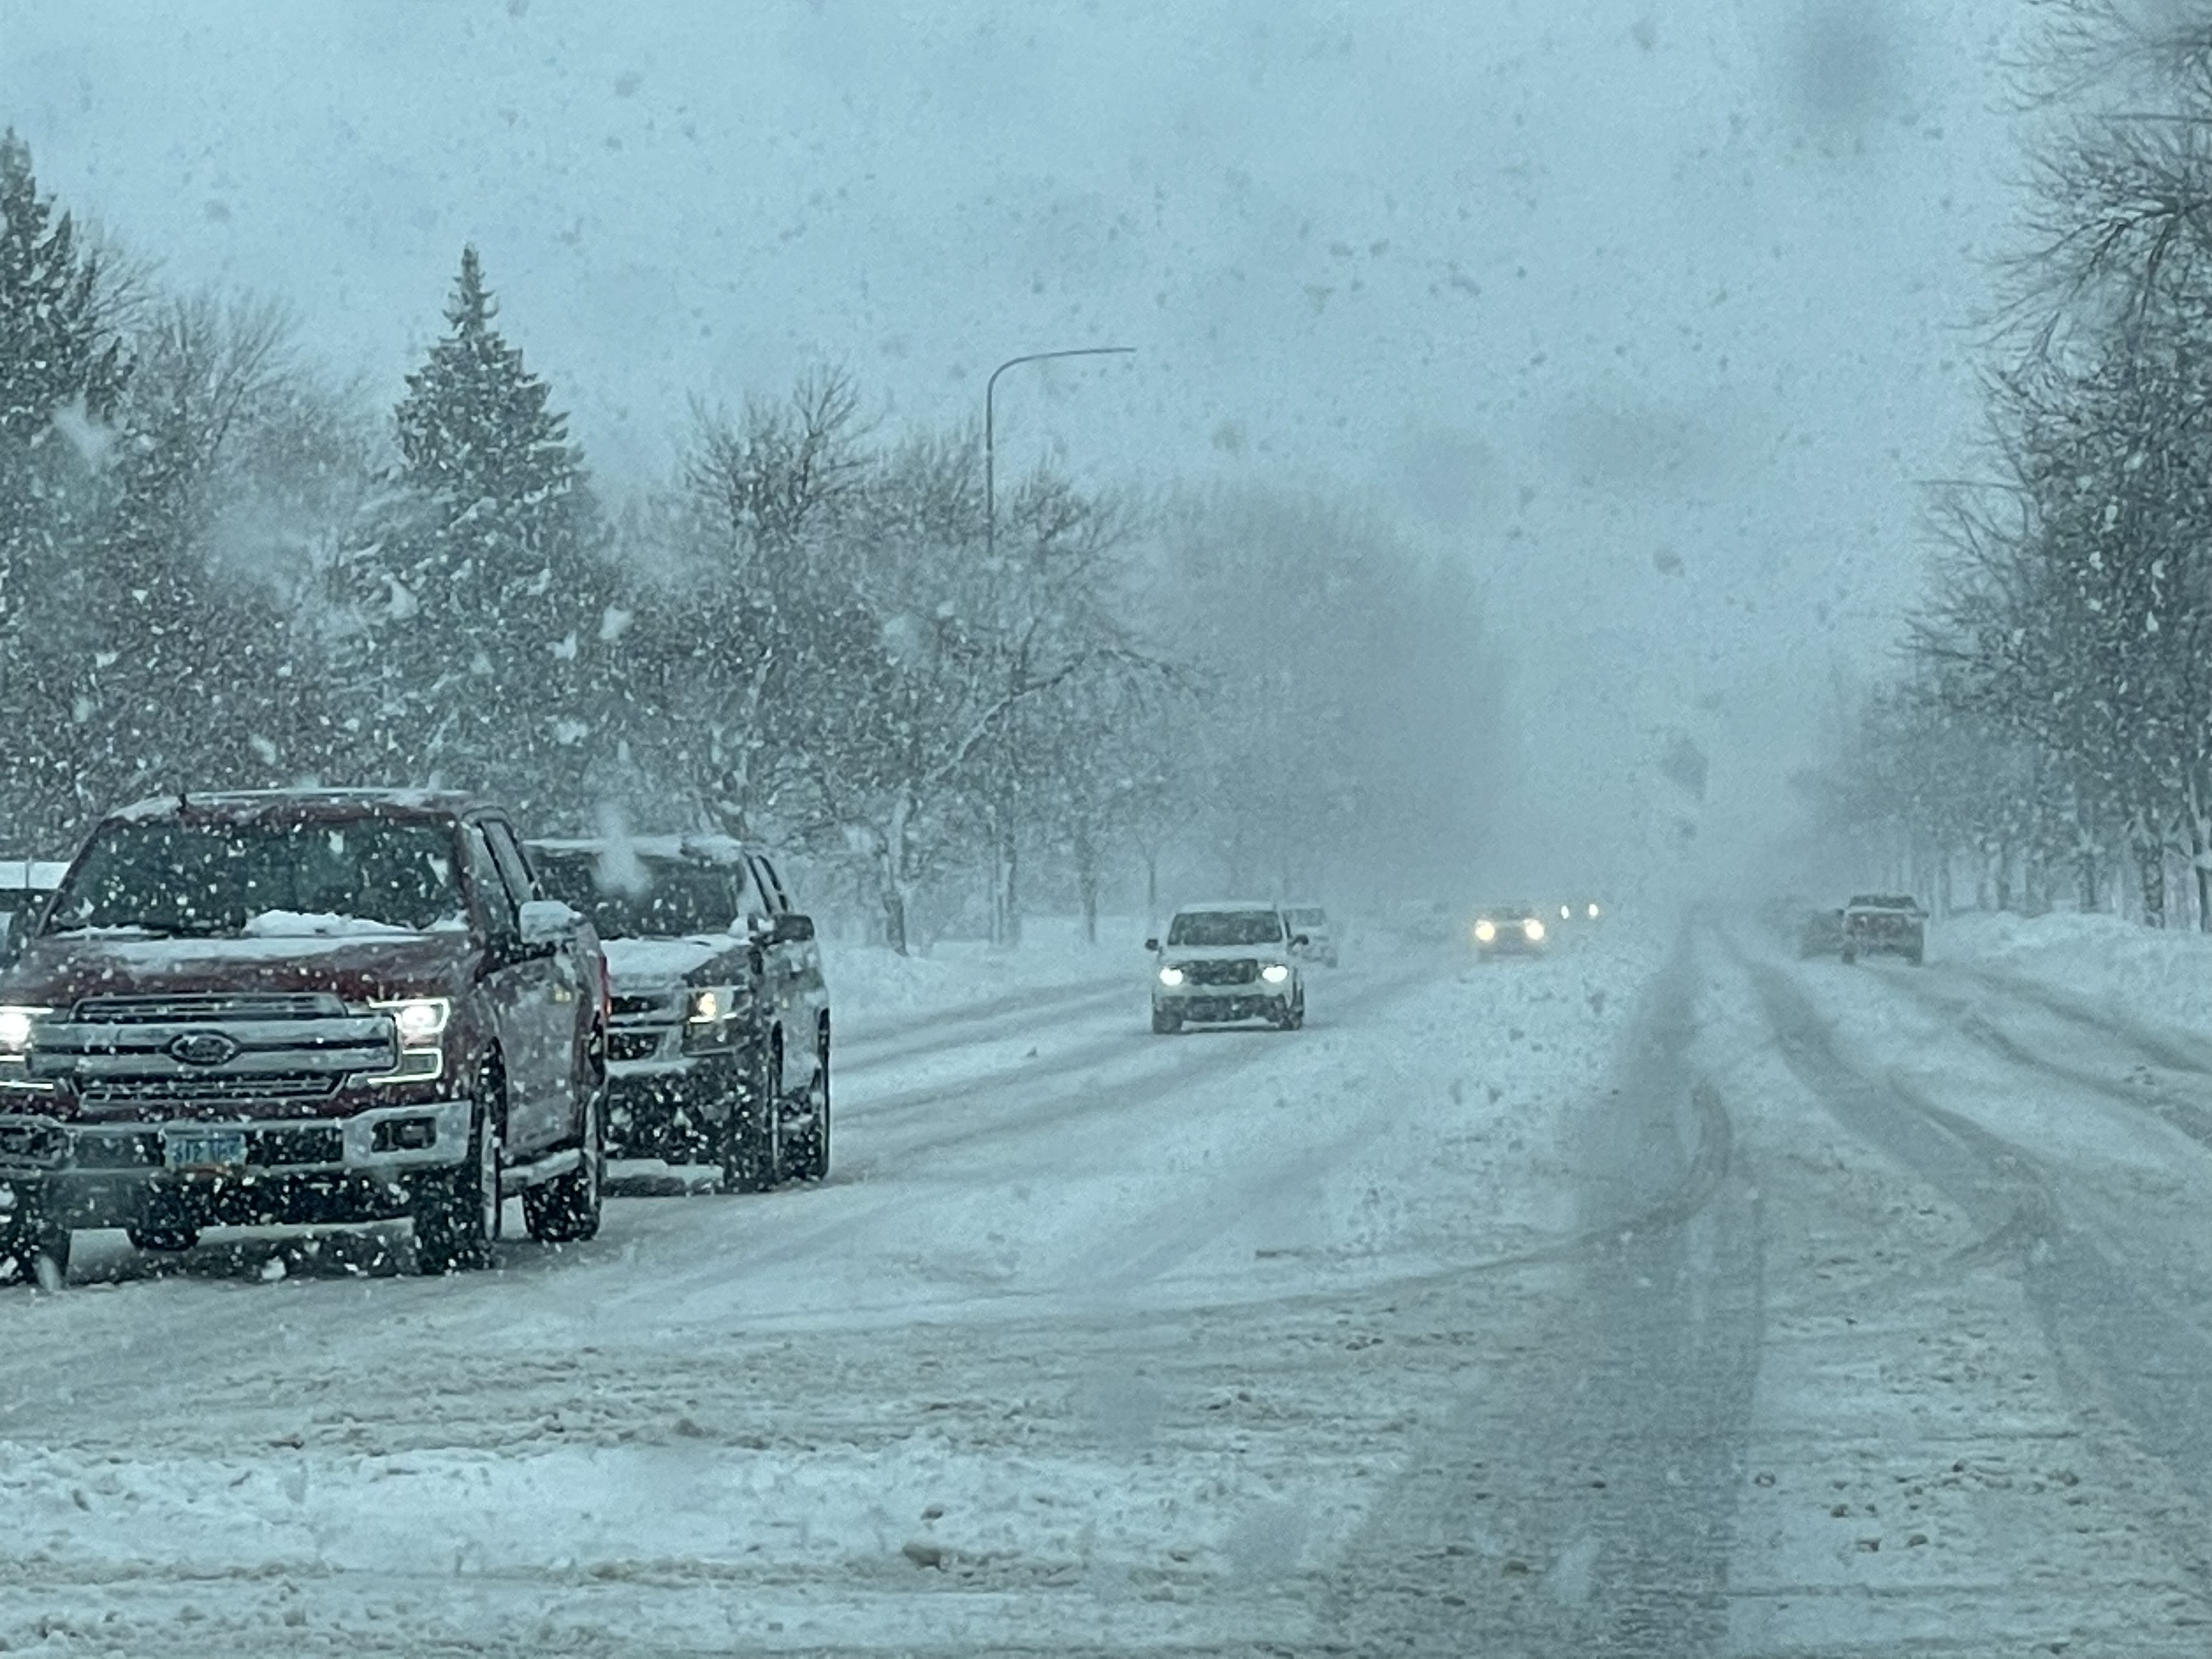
x,y
990,425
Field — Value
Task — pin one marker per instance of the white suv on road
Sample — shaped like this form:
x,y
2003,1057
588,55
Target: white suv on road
x,y
1222,963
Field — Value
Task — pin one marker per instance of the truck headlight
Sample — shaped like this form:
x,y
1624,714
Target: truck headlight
x,y
1532,930
420,1021
1275,973
17,1021
1170,976
1484,931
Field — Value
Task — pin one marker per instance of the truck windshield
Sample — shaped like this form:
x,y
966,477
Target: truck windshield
x,y
1201,928
654,898
216,880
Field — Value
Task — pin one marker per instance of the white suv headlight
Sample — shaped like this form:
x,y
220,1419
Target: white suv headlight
x,y
1275,973
1170,976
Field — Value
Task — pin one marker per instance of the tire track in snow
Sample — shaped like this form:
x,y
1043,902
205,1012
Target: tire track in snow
x,y
1583,1502
2111,1336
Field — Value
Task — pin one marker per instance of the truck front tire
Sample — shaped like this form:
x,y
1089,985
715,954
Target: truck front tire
x,y
456,1210
566,1210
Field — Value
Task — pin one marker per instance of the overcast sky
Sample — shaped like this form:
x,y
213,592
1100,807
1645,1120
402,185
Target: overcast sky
x,y
1654,309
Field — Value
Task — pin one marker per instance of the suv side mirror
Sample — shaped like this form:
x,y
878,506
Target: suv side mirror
x,y
1152,944
1299,941
546,922
793,928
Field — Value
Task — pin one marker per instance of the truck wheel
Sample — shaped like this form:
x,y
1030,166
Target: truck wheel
x,y
31,1252
456,1210
1165,1022
808,1152
751,1150
566,1210
1848,957
163,1238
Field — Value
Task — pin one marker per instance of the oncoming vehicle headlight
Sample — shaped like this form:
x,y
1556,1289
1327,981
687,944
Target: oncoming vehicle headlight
x,y
17,1021
1532,929
420,1021
1593,913
1170,976
1275,973
1485,930
1565,912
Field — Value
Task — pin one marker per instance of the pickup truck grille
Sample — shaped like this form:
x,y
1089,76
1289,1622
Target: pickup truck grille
x,y
201,1010
132,1050
1220,972
658,1004
218,1086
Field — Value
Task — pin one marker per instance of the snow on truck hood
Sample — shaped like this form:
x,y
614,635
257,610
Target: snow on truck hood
x,y
56,969
643,963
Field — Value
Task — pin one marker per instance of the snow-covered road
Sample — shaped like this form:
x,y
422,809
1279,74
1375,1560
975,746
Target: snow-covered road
x,y
1659,1297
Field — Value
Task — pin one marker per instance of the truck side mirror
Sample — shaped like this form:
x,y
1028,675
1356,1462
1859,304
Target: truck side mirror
x,y
1152,944
793,928
544,922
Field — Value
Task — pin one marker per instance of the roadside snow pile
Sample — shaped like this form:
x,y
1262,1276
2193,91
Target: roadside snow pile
x,y
867,981
2158,978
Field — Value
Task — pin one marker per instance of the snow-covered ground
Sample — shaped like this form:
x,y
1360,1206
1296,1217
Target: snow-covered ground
x,y
1664,1295
1087,1344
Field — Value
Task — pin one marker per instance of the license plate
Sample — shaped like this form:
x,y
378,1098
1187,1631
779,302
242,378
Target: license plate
x,y
199,1149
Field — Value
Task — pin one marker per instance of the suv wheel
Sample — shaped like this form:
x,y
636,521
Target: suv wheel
x,y
567,1209
1165,1021
809,1147
31,1252
456,1210
751,1138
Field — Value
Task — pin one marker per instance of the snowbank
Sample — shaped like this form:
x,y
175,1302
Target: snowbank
x,y
2162,978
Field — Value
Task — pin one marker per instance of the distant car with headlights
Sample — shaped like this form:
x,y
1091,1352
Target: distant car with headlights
x,y
1511,930
1877,924
718,1045
296,1007
1312,920
1227,963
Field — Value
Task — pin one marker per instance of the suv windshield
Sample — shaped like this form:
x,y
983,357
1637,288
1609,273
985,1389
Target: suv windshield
x,y
215,879
665,898
1204,928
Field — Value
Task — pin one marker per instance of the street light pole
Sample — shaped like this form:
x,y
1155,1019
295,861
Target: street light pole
x,y
990,446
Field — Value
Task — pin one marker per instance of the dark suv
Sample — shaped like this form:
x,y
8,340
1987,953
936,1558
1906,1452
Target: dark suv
x,y
718,1045
299,1007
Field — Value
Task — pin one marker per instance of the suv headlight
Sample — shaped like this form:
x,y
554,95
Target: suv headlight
x,y
1485,930
17,1021
1532,929
1275,973
1170,976
709,1016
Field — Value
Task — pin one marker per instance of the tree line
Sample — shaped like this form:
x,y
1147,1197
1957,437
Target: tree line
x,y
223,567
2049,736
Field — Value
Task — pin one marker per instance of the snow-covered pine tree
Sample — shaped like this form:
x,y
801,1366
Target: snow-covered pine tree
x,y
62,373
485,593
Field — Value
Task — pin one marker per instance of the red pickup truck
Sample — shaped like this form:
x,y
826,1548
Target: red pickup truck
x,y
301,1008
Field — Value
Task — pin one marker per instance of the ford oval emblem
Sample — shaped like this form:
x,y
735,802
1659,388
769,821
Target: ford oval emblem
x,y
201,1048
